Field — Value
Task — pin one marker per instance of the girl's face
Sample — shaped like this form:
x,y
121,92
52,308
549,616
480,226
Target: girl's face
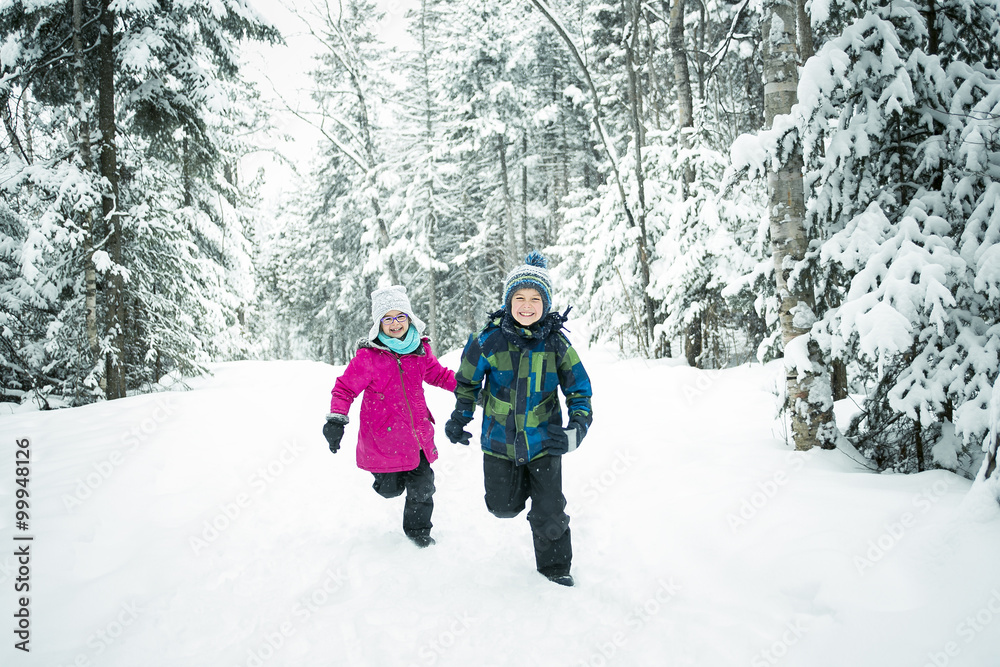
x,y
526,306
395,323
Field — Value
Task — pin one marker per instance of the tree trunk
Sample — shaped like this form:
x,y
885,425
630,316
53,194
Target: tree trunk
x,y
989,473
508,204
560,174
682,81
811,420
656,90
9,125
524,194
638,143
187,182
26,117
685,121
933,29
838,380
86,156
806,48
115,362
693,343
432,303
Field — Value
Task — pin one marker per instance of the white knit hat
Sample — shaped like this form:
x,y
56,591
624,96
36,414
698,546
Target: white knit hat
x,y
391,298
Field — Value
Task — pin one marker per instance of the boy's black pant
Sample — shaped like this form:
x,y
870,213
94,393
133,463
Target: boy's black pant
x,y
419,486
508,486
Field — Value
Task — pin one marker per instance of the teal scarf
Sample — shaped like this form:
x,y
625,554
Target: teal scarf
x,y
408,343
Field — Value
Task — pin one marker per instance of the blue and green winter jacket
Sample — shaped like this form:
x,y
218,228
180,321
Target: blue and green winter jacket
x,y
521,370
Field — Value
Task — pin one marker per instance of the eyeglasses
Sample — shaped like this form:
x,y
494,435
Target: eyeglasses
x,y
401,318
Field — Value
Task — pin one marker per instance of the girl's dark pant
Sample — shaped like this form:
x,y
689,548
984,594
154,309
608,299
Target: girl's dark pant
x,y
508,486
419,486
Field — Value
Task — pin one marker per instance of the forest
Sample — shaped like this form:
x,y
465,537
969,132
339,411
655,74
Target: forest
x,y
712,181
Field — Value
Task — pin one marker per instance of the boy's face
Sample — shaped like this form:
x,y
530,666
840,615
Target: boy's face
x,y
526,306
395,323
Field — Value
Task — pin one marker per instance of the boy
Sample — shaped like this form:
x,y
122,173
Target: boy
x,y
522,358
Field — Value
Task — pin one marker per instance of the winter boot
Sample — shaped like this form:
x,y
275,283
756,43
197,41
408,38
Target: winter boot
x,y
422,541
562,579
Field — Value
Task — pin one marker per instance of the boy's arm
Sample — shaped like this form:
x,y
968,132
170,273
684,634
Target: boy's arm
x,y
575,385
469,379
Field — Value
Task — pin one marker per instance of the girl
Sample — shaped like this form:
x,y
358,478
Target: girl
x,y
396,432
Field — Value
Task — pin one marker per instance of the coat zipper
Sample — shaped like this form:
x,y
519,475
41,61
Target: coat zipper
x,y
406,398
523,431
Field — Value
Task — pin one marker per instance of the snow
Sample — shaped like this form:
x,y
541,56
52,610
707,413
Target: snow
x,y
214,528
10,51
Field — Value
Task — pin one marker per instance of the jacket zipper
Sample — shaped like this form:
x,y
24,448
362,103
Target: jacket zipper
x,y
523,431
406,398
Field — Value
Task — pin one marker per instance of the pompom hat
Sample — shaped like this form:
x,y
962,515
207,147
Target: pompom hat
x,y
391,298
533,273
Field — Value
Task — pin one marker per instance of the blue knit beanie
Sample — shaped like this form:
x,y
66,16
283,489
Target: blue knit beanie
x,y
533,273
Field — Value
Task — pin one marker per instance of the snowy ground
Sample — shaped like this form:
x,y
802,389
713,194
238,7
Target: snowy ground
x,y
214,528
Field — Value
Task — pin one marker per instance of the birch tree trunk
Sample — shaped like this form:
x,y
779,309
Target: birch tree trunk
x,y
86,156
682,81
808,392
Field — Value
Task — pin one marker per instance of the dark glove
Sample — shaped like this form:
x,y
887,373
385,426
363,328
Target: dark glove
x,y
564,440
333,432
454,428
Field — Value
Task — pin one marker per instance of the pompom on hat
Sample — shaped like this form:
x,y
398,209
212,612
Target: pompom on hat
x,y
392,298
533,273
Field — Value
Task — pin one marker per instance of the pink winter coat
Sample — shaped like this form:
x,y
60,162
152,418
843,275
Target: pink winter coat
x,y
395,423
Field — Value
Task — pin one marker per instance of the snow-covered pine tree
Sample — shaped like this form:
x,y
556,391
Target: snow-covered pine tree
x,y
471,218
709,272
708,276
898,118
204,278
51,199
422,114
160,95
495,91
314,287
606,245
344,236
605,261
